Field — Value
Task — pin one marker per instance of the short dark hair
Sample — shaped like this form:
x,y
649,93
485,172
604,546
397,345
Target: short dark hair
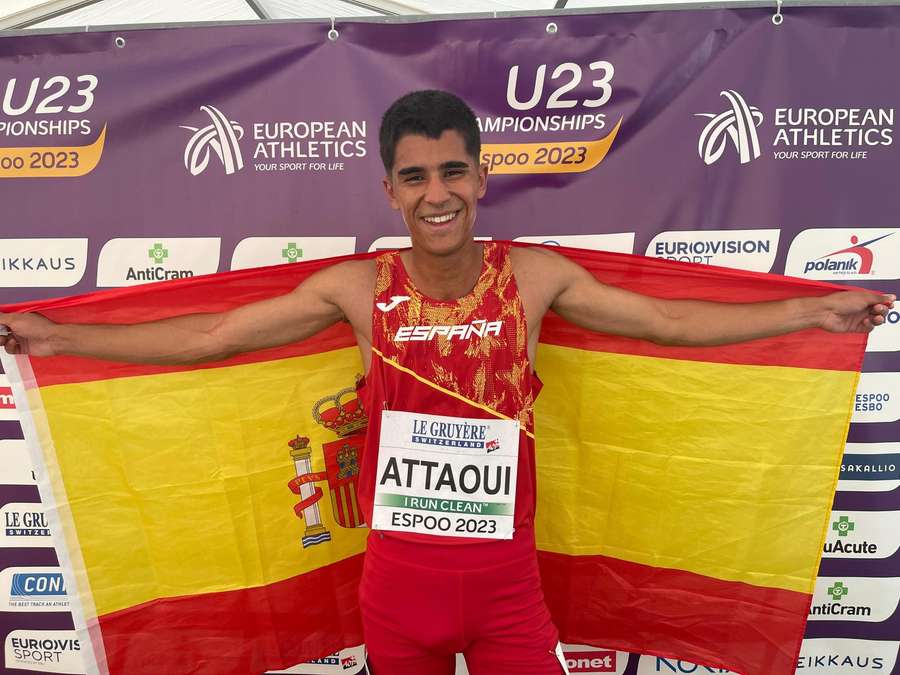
x,y
427,113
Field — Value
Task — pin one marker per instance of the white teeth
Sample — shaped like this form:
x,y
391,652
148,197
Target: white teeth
x,y
437,220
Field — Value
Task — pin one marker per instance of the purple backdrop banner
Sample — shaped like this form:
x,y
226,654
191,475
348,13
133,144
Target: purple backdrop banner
x,y
712,136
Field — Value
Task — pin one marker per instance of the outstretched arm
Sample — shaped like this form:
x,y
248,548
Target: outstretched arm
x,y
311,307
584,301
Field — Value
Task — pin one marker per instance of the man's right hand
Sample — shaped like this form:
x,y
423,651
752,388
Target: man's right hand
x,y
27,334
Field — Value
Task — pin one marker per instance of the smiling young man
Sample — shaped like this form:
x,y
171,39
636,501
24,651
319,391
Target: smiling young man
x,y
447,331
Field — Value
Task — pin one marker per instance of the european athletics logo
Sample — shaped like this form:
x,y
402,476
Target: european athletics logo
x,y
738,124
221,136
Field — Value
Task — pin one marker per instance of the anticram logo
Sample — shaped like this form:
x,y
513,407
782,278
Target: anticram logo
x,y
736,124
871,599
478,328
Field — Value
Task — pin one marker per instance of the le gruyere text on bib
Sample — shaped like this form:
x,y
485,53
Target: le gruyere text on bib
x,y
446,476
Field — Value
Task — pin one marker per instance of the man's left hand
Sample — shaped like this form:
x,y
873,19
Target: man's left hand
x,y
855,311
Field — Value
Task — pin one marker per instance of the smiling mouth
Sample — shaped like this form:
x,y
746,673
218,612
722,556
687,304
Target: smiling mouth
x,y
440,219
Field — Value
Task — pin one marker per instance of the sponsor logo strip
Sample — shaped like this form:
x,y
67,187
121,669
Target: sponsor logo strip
x,y
845,254
753,250
870,467
862,534
855,599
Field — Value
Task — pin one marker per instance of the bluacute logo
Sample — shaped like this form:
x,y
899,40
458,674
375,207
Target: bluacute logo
x,y
862,534
291,252
221,136
738,124
843,526
158,254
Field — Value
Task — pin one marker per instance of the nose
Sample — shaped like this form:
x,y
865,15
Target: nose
x,y
436,192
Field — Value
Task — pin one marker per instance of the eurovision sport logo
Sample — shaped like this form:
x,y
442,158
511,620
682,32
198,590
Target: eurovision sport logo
x,y
845,254
45,651
343,414
753,250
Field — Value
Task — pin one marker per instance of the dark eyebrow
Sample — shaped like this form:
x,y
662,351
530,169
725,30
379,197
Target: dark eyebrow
x,y
453,164
409,170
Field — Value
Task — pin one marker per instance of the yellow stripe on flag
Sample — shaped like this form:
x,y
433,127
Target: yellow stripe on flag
x,y
159,470
702,467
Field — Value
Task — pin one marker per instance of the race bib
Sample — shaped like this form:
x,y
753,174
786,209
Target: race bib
x,y
446,476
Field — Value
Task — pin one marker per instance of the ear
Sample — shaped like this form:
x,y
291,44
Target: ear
x,y
388,185
482,179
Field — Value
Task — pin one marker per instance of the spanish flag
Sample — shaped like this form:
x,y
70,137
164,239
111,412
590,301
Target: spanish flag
x,y
209,512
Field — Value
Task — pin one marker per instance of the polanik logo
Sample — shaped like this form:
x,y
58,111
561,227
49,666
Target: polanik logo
x,y
854,259
845,254
738,124
221,136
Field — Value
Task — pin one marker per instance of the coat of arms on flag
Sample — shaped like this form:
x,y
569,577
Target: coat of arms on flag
x,y
346,417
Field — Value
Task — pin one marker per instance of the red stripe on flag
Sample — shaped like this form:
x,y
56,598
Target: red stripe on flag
x,y
246,631
674,614
669,279
813,348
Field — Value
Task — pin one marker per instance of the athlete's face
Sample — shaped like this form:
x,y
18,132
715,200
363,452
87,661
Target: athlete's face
x,y
435,184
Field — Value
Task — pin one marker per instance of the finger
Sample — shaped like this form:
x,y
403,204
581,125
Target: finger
x,y
877,320
12,346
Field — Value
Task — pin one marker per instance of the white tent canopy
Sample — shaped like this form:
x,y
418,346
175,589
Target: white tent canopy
x,y
50,14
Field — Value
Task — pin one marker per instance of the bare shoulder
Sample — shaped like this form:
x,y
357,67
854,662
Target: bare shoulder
x,y
350,286
350,275
541,268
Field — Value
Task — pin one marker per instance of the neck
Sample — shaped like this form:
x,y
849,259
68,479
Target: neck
x,y
445,277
